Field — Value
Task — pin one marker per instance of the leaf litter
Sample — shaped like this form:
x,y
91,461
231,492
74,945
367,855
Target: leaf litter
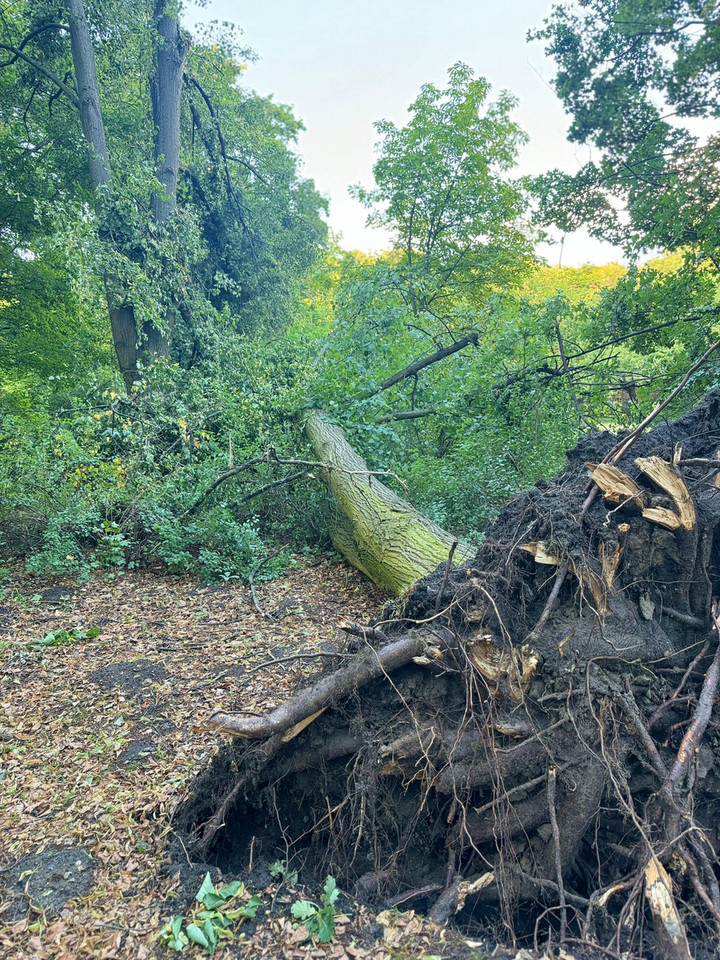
x,y
101,734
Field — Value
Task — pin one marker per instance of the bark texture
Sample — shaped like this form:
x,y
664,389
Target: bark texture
x,y
370,525
170,50
88,92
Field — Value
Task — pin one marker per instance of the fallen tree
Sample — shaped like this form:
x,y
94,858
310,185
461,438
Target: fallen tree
x,y
526,739
370,525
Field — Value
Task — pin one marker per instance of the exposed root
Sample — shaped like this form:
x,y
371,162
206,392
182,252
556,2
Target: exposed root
x,y
567,788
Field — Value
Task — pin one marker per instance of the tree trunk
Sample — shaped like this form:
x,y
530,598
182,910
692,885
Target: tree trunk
x,y
122,315
370,525
88,92
170,50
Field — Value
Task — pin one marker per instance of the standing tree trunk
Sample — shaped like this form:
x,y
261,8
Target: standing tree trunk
x,y
122,315
170,50
371,526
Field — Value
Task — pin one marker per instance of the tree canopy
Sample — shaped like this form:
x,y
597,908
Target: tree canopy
x,y
636,76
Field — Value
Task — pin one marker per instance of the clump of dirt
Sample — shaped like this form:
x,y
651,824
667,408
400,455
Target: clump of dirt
x,y
527,755
133,676
50,879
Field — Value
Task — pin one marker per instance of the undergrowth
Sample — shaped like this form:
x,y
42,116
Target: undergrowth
x,y
111,482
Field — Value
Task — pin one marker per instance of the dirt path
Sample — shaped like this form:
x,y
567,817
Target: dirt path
x,y
100,735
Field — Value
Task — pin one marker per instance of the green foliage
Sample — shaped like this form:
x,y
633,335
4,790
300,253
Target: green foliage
x,y
265,319
280,869
319,920
442,188
219,913
632,73
110,482
230,258
58,638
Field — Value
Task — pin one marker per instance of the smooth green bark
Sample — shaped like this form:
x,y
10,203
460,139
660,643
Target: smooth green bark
x,y
375,529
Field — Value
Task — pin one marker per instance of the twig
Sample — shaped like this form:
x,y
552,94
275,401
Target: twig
x,y
290,478
630,707
255,597
551,789
418,892
691,740
294,656
416,415
232,472
621,448
678,690
550,605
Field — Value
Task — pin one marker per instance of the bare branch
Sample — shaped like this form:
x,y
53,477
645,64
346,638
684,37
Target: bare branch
x,y
17,54
414,415
418,365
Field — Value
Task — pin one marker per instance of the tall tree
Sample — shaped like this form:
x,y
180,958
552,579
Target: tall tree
x,y
164,285
442,189
634,75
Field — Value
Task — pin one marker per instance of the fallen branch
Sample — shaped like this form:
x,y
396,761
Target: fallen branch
x,y
418,365
369,665
415,415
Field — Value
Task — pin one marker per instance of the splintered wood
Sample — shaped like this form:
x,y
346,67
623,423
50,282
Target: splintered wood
x,y
590,581
618,487
669,930
666,477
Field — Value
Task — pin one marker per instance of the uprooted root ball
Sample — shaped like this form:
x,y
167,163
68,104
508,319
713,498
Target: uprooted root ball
x,y
527,742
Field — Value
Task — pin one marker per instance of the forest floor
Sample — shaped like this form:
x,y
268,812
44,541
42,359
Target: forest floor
x,y
101,734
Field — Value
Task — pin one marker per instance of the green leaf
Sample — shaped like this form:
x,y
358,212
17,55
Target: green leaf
x,y
211,934
230,890
251,907
198,936
212,899
326,924
331,892
92,633
302,909
206,888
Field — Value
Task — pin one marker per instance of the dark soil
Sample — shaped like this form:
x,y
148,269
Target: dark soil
x,y
49,880
133,676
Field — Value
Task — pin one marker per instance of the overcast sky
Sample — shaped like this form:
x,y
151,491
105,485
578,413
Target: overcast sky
x,y
343,65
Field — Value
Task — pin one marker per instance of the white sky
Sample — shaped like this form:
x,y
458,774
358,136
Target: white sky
x,y
342,65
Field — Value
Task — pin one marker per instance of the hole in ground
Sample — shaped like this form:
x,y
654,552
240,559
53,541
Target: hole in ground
x,y
374,835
